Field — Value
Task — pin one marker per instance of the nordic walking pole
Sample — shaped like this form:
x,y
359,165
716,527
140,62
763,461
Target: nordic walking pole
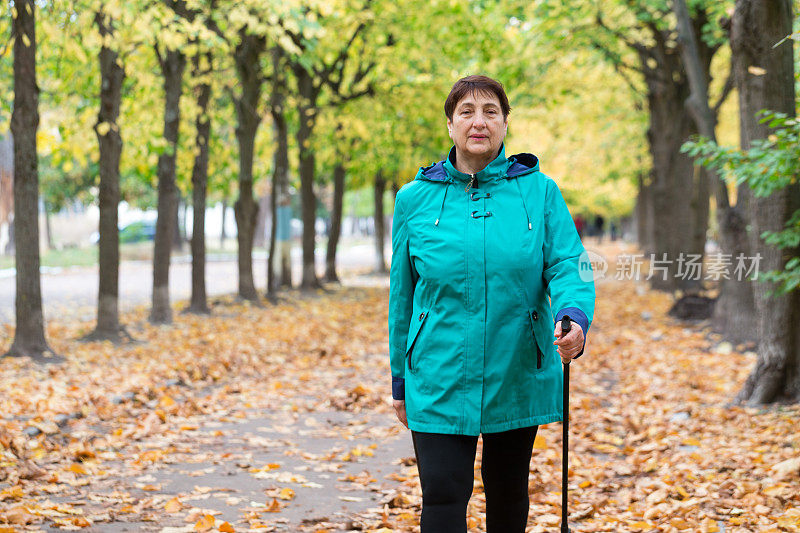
x,y
565,327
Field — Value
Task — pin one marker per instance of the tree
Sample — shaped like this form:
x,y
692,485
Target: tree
x,y
339,174
209,38
680,225
248,53
280,171
734,315
29,339
201,71
765,80
172,63
768,162
109,140
379,188
344,144
341,69
638,39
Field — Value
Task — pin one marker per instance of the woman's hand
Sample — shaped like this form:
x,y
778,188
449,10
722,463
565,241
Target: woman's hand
x,y
400,410
570,345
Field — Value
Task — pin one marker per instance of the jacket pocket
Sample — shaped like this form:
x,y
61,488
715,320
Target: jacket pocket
x,y
533,318
417,322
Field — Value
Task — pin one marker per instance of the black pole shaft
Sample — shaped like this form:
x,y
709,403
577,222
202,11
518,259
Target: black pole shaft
x,y
565,454
565,328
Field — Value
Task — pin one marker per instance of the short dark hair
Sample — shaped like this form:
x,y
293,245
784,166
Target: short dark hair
x,y
471,84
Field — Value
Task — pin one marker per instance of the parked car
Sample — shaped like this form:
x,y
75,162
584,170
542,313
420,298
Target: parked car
x,y
140,231
143,230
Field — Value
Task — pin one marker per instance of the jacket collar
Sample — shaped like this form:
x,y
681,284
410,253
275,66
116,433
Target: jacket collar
x,y
500,168
495,170
515,166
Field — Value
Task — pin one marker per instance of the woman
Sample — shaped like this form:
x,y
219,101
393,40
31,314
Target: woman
x,y
479,242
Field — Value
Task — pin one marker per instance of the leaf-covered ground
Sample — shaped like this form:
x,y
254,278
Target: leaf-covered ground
x,y
278,418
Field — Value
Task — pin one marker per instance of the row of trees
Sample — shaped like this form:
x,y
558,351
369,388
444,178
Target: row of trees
x,y
355,88
670,53
208,65
766,168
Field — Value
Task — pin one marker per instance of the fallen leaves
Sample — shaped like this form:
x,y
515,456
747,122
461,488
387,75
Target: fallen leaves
x,y
173,506
12,493
790,519
19,516
206,523
653,446
787,469
274,507
77,468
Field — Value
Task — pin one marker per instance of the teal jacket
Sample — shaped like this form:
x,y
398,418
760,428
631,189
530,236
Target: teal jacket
x,y
479,263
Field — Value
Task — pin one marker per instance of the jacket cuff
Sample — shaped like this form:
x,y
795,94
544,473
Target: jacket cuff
x,y
576,315
398,388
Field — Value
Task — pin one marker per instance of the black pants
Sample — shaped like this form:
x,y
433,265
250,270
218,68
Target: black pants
x,y
446,465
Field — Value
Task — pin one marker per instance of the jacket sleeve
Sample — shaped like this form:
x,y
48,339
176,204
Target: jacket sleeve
x,y
567,270
402,280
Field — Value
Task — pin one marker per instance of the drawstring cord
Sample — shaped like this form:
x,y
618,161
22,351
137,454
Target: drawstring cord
x,y
442,207
444,196
523,203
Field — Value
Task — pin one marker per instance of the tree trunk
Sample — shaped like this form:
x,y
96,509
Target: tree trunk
x,y
380,235
307,113
765,80
177,234
734,311
29,337
222,235
676,223
199,301
110,143
260,233
669,128
700,211
273,203
183,209
11,246
248,67
336,223
644,215
172,69
48,227
280,177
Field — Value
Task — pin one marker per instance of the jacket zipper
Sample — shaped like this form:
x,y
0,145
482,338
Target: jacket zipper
x,y
414,342
472,181
536,343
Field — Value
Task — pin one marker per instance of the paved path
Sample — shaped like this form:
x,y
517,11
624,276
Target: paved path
x,y
73,291
232,467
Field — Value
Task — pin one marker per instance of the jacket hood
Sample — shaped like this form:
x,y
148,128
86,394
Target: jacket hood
x,y
516,166
444,171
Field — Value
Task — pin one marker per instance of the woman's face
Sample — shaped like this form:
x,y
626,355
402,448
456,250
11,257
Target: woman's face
x,y
478,126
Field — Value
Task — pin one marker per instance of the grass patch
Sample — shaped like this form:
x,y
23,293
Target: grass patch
x,y
59,258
